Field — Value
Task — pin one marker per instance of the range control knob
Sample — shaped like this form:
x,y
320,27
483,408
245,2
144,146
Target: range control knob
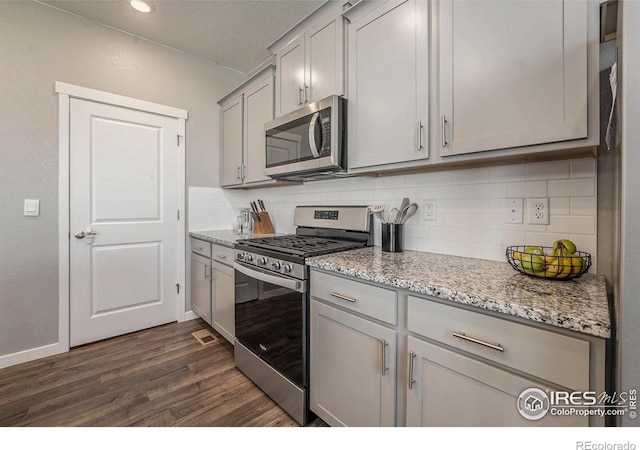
x,y
248,257
275,266
261,261
287,268
240,256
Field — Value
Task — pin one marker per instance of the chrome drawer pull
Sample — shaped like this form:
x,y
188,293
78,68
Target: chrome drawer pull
x,y
384,357
221,256
411,379
478,341
343,297
444,131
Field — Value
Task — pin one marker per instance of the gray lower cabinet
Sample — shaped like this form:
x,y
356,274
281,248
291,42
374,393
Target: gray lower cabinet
x,y
201,286
213,286
223,300
447,388
455,366
353,369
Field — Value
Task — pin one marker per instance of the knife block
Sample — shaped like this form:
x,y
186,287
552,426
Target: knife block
x,y
264,226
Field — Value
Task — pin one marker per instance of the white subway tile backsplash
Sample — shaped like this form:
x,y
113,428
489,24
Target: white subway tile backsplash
x,y
470,205
548,170
583,168
560,206
516,172
572,224
527,189
586,206
472,176
580,187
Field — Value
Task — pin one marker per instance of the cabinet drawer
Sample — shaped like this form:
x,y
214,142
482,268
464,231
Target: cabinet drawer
x,y
222,254
201,247
554,357
372,301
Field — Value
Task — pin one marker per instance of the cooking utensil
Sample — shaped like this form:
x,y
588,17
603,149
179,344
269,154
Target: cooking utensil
x,y
407,212
393,214
254,208
261,203
377,211
255,216
403,205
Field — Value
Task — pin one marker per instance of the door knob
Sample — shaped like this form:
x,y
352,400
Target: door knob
x,y
84,233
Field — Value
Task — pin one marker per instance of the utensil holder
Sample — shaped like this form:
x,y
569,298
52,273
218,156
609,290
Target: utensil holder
x,y
392,237
264,226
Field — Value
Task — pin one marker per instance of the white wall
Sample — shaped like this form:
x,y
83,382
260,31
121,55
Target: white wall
x,y
39,45
470,205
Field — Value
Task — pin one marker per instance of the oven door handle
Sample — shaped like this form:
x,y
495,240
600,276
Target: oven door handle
x,y
289,283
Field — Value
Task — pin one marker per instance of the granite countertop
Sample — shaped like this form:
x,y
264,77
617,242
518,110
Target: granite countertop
x,y
580,304
226,238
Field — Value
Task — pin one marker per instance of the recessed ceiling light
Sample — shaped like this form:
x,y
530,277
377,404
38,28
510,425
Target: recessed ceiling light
x,y
141,6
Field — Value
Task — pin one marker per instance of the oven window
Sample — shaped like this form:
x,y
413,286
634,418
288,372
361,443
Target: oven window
x,y
289,143
269,322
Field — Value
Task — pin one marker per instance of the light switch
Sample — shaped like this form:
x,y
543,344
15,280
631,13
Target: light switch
x,y
31,207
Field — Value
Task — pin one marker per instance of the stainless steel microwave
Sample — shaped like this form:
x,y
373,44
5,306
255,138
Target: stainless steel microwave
x,y
309,143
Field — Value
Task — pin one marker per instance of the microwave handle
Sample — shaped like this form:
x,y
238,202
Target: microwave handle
x,y
312,135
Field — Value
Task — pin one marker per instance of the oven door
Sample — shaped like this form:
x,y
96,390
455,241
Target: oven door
x,y
270,317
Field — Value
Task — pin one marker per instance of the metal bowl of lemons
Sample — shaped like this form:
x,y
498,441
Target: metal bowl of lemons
x,y
562,261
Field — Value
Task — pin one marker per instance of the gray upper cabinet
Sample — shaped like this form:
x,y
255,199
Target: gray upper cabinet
x,y
231,151
388,82
310,65
512,74
243,115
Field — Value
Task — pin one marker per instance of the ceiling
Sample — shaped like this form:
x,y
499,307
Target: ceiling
x,y
233,33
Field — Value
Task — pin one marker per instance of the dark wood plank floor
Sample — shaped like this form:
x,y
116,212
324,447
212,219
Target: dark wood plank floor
x,y
157,377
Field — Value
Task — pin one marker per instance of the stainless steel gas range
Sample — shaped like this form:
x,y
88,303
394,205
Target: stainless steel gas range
x,y
272,299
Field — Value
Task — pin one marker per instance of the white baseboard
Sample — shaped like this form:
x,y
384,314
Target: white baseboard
x,y
32,354
189,315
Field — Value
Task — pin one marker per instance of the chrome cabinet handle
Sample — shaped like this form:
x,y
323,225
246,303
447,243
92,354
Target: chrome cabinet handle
x,y
198,248
478,341
206,275
385,368
300,95
412,380
444,130
306,89
342,297
83,234
239,177
221,256
420,147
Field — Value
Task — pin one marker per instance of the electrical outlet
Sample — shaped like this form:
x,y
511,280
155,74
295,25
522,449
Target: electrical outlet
x,y
429,210
538,211
513,210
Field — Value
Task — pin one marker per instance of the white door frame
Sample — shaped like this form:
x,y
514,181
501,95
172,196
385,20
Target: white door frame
x,y
65,92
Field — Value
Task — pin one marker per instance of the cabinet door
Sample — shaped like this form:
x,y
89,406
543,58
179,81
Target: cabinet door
x,y
201,287
451,389
258,109
223,301
324,52
512,73
348,385
388,85
232,137
290,79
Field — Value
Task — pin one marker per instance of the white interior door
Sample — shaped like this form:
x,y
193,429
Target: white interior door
x,y
124,188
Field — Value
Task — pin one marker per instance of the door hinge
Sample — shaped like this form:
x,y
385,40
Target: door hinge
x,y
179,136
178,288
178,214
